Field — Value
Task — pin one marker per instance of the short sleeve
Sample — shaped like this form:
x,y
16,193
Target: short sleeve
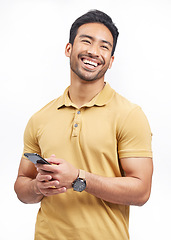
x,y
30,138
134,136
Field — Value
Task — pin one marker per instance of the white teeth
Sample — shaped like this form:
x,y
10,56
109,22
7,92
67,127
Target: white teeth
x,y
90,62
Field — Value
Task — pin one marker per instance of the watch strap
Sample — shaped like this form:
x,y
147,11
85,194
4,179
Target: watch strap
x,y
81,174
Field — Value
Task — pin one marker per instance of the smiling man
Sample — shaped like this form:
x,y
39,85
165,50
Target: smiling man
x,y
92,47
98,145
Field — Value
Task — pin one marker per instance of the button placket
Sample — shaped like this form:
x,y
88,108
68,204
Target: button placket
x,y
76,123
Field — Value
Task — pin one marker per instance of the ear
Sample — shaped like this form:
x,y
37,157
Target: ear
x,y
68,50
111,62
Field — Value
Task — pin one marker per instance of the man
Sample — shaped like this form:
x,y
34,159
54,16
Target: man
x,y
98,144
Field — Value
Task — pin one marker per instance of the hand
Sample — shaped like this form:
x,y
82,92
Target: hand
x,y
55,178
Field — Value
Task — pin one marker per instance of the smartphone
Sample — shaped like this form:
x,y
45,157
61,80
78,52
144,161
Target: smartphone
x,y
36,158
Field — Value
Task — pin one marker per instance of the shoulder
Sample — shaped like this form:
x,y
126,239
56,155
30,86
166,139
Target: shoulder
x,y
45,112
121,106
124,111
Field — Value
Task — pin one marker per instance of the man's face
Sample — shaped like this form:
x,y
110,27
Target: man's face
x,y
90,55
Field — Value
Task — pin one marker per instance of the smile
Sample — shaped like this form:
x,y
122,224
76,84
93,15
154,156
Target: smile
x,y
89,62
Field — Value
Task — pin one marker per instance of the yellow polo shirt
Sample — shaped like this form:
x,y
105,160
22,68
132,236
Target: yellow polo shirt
x,y
92,138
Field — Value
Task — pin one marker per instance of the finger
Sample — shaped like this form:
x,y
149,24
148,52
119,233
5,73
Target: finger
x,y
49,184
52,191
54,160
44,172
44,187
44,168
43,178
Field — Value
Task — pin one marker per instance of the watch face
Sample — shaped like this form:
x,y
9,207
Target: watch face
x,y
79,185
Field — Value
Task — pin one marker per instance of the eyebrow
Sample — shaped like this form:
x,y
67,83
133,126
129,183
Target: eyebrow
x,y
107,42
92,38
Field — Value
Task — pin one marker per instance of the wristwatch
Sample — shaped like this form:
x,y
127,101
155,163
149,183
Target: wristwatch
x,y
80,183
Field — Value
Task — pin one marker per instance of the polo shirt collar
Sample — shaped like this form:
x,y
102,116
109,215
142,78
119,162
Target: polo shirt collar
x,y
101,99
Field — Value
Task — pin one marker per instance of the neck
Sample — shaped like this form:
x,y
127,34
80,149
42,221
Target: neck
x,y
82,92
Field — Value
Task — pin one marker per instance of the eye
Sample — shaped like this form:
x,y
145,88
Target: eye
x,y
86,41
104,47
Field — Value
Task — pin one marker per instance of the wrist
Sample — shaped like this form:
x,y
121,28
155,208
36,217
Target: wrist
x,y
36,189
74,177
79,183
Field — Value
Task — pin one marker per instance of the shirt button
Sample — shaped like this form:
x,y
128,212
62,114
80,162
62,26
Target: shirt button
x,y
76,125
78,112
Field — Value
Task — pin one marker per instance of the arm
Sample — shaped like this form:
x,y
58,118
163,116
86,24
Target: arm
x,y
133,189
26,183
29,183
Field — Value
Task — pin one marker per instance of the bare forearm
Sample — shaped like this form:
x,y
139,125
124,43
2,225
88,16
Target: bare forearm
x,y
118,190
27,191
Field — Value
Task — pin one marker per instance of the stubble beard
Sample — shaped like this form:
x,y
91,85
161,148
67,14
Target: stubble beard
x,y
89,77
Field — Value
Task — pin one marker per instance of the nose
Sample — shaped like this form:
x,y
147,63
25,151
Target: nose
x,y
93,50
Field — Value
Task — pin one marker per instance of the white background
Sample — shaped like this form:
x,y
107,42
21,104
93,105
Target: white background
x,y
34,70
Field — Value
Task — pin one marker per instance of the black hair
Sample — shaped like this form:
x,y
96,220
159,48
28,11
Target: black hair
x,y
94,16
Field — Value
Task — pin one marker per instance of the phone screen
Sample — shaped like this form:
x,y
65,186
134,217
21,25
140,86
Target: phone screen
x,y
35,158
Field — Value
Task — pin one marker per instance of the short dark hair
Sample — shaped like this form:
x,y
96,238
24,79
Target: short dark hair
x,y
94,16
